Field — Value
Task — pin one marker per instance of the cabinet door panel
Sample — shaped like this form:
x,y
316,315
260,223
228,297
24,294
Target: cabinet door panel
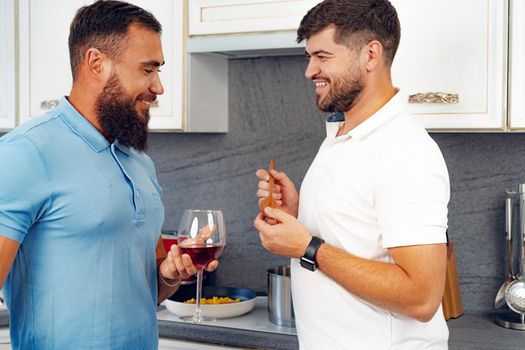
x,y
7,65
517,67
456,47
168,115
45,71
242,16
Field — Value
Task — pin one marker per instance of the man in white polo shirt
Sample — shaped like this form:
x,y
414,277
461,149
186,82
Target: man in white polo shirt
x,y
367,233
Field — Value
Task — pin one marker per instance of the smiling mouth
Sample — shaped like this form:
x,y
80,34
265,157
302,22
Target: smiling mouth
x,y
321,84
147,101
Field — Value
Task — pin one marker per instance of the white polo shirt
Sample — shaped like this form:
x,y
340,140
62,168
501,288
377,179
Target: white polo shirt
x,y
384,184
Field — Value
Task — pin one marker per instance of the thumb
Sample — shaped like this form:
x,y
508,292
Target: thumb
x,y
282,178
276,214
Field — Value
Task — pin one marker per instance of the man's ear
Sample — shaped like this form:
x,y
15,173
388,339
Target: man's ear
x,y
374,55
97,64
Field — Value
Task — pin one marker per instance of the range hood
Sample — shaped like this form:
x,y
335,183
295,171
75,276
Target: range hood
x,y
247,45
207,71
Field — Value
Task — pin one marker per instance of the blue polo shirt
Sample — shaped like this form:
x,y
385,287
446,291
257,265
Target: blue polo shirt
x,y
88,215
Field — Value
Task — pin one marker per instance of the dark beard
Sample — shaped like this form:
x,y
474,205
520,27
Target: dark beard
x,y
343,95
119,119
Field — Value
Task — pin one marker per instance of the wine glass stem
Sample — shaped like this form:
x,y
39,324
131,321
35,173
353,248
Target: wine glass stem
x,y
197,316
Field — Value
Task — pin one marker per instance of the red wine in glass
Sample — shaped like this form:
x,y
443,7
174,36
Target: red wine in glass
x,y
201,235
201,255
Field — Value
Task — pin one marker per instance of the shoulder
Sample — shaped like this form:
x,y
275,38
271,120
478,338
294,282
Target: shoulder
x,y
34,135
408,154
45,127
21,158
405,136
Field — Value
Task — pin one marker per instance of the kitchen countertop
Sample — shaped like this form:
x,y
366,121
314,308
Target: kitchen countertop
x,y
252,330
4,318
468,332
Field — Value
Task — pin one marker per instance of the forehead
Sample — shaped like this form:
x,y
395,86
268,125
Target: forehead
x,y
142,45
323,40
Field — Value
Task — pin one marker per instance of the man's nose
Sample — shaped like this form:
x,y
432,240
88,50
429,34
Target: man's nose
x,y
156,86
312,69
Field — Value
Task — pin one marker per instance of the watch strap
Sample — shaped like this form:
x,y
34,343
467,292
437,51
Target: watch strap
x,y
308,259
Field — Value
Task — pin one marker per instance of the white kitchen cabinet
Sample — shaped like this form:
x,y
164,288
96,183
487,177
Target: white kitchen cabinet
x,y
517,66
169,114
44,69
457,48
5,341
45,73
245,16
452,57
7,65
173,344
164,344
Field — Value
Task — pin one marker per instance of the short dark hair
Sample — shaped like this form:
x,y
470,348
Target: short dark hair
x,y
357,22
104,25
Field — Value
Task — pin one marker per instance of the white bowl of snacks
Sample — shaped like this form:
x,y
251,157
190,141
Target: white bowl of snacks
x,y
219,302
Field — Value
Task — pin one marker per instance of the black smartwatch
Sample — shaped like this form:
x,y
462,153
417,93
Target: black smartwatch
x,y
308,259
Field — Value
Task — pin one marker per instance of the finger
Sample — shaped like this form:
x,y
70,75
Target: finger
x,y
271,221
262,175
259,223
263,241
262,193
176,256
279,175
276,214
212,265
167,267
282,178
188,265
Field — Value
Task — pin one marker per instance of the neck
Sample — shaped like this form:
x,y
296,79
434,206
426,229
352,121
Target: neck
x,y
373,98
84,102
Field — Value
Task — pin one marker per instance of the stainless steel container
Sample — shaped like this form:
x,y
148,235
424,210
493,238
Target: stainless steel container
x,y
280,306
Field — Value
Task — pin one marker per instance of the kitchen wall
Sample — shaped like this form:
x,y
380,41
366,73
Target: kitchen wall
x,y
272,115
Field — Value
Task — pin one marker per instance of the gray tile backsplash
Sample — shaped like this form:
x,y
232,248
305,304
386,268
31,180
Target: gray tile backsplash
x,y
272,115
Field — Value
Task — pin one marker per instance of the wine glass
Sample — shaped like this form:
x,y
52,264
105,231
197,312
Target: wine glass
x,y
201,235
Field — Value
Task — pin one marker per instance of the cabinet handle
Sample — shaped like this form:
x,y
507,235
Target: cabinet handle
x,y
49,104
433,97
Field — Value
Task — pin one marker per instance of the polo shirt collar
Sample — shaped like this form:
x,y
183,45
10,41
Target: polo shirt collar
x,y
389,111
124,149
81,126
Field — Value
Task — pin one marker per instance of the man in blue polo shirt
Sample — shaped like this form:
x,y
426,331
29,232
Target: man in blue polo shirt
x,y
80,205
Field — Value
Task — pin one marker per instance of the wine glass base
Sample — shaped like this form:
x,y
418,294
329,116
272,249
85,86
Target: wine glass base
x,y
203,319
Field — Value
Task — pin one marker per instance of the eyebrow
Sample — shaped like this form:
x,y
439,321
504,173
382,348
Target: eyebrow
x,y
318,52
152,63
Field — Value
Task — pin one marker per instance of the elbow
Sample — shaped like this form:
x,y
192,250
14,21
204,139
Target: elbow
x,y
426,312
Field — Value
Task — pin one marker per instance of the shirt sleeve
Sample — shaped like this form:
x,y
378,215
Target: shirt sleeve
x,y
412,199
24,187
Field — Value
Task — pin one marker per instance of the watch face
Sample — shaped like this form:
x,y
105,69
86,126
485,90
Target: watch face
x,y
307,264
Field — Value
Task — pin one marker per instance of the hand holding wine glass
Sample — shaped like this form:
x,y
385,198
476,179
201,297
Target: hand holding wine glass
x,y
201,235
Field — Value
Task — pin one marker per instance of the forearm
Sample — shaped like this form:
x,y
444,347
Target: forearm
x,y
8,250
416,293
166,287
